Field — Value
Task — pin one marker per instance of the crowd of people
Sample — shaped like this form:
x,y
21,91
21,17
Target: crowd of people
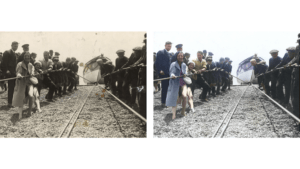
x,y
186,75
26,76
127,79
281,72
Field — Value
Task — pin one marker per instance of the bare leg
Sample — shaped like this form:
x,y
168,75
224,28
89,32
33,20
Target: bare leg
x,y
37,99
190,96
20,110
174,112
30,95
184,93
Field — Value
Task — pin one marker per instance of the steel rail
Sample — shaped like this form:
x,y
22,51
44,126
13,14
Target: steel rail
x,y
71,122
284,109
234,108
133,111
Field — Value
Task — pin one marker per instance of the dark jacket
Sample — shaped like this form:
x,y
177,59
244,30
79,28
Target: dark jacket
x,y
163,62
9,62
119,63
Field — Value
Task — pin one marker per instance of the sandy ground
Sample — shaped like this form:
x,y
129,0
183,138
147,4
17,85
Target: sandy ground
x,y
249,120
56,115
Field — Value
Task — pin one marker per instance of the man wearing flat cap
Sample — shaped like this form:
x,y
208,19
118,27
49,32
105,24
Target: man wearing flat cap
x,y
284,77
204,54
225,79
25,49
119,77
50,54
260,69
8,66
142,79
162,65
211,76
174,57
131,77
220,75
273,62
229,71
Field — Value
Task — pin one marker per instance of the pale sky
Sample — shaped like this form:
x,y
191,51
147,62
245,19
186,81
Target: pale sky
x,y
82,45
237,45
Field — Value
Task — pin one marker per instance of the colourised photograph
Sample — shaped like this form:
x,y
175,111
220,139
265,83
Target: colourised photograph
x,y
226,85
73,84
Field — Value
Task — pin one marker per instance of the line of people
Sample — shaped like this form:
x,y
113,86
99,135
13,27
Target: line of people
x,y
127,85
287,77
205,74
22,90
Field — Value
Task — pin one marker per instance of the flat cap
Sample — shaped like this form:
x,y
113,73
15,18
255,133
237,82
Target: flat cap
x,y
56,53
137,48
298,35
210,54
291,49
25,46
120,51
191,62
50,50
204,51
32,54
208,59
274,51
179,46
55,59
230,61
73,58
154,53
0,52
222,59
187,54
37,62
145,35
227,58
168,42
14,42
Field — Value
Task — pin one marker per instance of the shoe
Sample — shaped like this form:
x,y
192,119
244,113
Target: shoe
x,y
214,95
193,110
50,100
10,106
75,89
163,105
204,100
229,89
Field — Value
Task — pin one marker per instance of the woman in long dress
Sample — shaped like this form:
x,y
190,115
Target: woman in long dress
x,y
24,68
177,68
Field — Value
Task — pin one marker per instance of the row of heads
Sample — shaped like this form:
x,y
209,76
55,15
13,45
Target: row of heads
x,y
26,47
180,46
137,49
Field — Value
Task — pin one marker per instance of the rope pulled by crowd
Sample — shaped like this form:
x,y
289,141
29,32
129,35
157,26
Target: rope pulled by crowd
x,y
276,69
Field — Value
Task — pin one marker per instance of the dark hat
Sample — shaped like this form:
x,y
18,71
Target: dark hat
x,y
14,42
120,51
210,54
73,58
56,53
187,54
25,46
274,51
204,51
168,42
145,35
222,59
55,59
0,52
208,59
179,46
298,35
137,48
230,61
32,53
227,58
50,50
291,49
145,40
154,53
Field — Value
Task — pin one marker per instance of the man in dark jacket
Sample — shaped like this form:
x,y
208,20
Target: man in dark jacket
x,y
229,71
162,65
73,68
9,64
131,76
120,61
273,62
25,49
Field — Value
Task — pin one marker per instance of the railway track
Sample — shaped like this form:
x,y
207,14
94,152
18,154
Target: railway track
x,y
224,124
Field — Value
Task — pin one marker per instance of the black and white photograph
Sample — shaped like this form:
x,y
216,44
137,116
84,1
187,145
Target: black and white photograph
x,y
226,84
73,84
